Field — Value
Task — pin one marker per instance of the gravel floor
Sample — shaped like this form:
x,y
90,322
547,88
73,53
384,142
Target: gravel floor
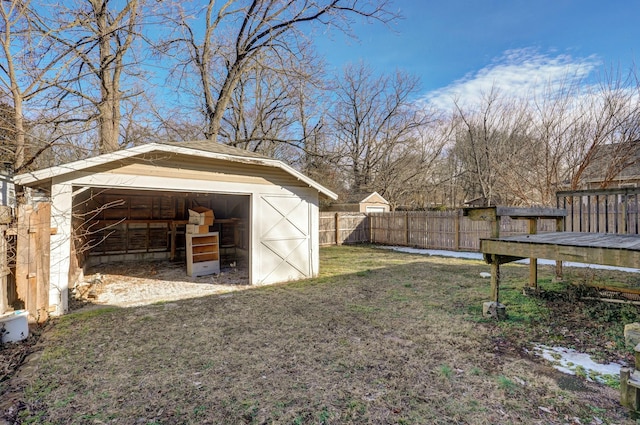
x,y
135,284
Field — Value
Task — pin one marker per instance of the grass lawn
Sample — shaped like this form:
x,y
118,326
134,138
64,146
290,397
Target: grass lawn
x,y
379,338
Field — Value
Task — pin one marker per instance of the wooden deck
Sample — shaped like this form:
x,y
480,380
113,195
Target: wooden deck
x,y
621,250
592,248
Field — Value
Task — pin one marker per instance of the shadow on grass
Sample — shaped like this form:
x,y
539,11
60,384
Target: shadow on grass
x,y
379,337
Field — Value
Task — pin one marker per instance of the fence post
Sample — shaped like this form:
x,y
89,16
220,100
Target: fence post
x,y
456,231
337,226
406,228
533,262
624,218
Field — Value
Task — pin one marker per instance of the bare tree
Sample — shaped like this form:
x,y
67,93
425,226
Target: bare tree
x,y
554,117
260,114
237,34
374,121
28,68
490,144
606,131
101,38
410,176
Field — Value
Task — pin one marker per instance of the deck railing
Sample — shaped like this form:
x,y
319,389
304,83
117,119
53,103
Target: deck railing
x,y
602,210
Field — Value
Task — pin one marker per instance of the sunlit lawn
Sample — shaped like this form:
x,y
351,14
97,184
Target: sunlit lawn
x,y
380,337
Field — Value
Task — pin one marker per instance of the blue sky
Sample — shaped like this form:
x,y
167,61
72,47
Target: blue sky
x,y
458,46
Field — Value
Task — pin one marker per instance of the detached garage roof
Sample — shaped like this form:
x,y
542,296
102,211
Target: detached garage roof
x,y
203,149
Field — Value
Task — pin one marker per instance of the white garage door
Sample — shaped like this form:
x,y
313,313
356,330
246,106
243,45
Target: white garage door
x,y
285,239
375,209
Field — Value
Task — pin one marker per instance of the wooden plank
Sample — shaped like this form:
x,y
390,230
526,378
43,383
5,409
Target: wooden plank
x,y
22,255
559,228
406,229
533,262
602,240
590,254
610,191
492,213
32,296
495,280
534,212
480,214
43,249
172,240
453,223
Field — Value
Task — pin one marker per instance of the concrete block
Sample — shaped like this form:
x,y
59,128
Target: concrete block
x,y
494,310
632,334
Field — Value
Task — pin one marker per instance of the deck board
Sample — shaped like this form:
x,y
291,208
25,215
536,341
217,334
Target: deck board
x,y
592,248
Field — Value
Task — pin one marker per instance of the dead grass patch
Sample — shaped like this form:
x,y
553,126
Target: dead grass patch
x,y
380,337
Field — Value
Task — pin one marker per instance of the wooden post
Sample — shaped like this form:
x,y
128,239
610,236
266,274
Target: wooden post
x,y
559,228
43,245
627,392
337,228
623,215
495,279
495,228
495,266
172,239
456,231
406,229
22,255
533,262
32,265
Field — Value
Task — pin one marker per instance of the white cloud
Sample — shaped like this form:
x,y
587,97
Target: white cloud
x,y
518,73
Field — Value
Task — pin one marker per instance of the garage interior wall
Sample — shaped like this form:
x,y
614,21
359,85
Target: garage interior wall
x,y
132,225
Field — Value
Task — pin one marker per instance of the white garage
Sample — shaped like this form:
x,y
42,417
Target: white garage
x,y
132,205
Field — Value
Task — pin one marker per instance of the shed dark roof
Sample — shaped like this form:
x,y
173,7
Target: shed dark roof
x,y
214,147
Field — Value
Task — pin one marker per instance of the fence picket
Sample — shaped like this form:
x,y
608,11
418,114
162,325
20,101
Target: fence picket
x,y
601,210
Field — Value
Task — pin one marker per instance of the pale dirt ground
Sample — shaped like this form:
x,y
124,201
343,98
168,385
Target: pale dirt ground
x,y
134,284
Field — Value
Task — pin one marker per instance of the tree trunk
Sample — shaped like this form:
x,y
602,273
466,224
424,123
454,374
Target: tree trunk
x,y
19,130
224,97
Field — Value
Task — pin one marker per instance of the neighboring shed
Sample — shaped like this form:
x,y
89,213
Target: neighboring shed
x,y
373,202
133,204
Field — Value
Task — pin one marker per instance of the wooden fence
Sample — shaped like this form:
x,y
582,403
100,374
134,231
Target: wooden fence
x,y
24,261
602,210
343,228
447,230
5,270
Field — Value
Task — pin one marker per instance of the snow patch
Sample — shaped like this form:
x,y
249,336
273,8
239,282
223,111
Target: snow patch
x,y
572,362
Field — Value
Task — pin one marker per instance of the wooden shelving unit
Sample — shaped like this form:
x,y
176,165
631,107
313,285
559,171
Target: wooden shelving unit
x,y
203,254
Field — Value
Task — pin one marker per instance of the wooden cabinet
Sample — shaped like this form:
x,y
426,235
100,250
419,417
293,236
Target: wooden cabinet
x,y
203,254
